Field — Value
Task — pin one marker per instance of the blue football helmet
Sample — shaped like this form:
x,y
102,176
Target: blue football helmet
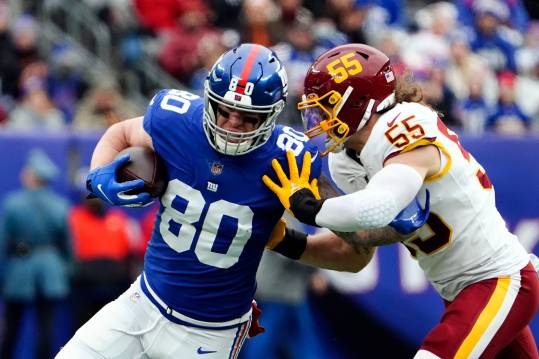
x,y
248,78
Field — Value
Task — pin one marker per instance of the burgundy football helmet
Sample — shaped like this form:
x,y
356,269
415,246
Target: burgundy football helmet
x,y
342,89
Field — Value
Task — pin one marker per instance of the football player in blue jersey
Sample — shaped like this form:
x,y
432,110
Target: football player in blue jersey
x,y
194,296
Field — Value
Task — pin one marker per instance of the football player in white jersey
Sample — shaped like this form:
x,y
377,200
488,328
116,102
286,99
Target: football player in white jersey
x,y
385,148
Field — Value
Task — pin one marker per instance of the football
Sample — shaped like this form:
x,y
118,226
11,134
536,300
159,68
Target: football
x,y
146,165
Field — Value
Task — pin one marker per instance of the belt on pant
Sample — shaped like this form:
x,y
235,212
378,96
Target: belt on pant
x,y
182,319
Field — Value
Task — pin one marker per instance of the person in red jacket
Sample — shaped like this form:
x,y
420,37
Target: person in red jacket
x,y
105,242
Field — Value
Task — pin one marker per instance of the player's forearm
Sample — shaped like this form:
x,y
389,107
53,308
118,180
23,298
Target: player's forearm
x,y
326,250
388,193
372,237
111,143
117,138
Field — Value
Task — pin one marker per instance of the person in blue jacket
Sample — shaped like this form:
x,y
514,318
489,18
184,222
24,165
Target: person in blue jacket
x,y
35,252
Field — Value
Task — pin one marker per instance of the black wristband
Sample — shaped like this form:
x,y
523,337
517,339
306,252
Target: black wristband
x,y
292,245
305,206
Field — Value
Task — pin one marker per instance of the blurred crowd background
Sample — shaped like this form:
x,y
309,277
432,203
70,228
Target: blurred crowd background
x,y
69,69
85,64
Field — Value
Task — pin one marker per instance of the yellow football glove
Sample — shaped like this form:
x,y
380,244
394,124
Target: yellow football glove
x,y
291,185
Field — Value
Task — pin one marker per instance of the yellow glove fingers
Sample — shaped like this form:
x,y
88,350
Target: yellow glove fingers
x,y
306,167
271,185
292,166
314,188
285,182
279,191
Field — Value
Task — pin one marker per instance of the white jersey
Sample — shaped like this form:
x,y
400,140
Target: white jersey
x,y
465,239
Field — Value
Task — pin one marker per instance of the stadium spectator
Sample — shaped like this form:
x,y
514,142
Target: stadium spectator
x,y
430,45
9,67
226,13
35,252
439,96
290,11
507,117
24,32
36,110
161,14
466,250
297,53
209,48
260,23
528,54
327,34
394,11
351,21
488,40
473,111
465,67
105,244
390,42
101,107
65,84
517,17
527,84
178,56
345,15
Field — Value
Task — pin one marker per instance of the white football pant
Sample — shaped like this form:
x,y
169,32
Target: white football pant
x,y
131,327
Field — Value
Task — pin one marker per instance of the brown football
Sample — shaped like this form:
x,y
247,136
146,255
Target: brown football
x,y
146,165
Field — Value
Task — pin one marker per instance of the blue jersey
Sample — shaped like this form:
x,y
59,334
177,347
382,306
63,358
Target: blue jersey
x,y
216,215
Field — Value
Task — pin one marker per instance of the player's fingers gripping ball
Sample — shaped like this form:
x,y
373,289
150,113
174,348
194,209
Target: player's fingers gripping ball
x,y
296,181
102,183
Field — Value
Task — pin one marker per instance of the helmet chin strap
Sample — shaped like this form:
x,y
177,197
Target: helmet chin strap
x,y
385,103
366,115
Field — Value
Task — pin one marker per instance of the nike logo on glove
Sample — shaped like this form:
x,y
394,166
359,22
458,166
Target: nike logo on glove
x,y
99,187
202,351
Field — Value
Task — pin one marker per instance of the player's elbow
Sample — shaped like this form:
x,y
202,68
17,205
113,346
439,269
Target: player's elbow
x,y
363,261
355,258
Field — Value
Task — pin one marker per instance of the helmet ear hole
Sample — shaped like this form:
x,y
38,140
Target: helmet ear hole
x,y
359,102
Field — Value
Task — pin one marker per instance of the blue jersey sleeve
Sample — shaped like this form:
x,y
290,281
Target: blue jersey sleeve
x,y
172,119
154,103
289,139
316,160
